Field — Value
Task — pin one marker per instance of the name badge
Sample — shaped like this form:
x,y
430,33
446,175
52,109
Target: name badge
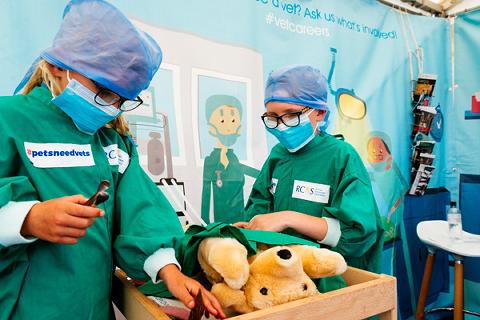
x,y
117,157
59,155
123,160
309,191
273,186
111,152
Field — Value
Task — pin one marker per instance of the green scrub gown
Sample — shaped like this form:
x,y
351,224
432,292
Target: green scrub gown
x,y
388,186
336,185
43,280
228,200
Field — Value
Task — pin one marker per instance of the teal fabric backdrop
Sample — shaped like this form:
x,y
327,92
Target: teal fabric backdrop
x,y
464,147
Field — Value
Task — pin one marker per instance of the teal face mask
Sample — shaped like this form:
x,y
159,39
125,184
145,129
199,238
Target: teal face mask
x,y
227,140
78,102
294,138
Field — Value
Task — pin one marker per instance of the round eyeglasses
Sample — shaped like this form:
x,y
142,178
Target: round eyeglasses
x,y
106,97
291,119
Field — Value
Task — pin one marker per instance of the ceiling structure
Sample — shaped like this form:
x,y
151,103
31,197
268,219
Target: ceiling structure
x,y
441,8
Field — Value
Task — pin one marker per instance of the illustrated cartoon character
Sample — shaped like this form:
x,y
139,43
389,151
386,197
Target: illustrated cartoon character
x,y
223,173
388,184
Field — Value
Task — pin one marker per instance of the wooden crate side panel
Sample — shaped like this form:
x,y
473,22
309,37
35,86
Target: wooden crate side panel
x,y
355,276
367,294
131,302
351,303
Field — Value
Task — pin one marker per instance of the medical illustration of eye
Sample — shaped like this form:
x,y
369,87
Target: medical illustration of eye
x,y
264,291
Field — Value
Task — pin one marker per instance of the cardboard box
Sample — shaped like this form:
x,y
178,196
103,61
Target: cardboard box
x,y
366,294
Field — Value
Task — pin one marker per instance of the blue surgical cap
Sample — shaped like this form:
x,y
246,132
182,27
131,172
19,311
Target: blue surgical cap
x,y
217,100
299,84
96,40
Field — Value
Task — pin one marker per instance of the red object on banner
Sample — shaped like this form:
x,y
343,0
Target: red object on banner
x,y
475,104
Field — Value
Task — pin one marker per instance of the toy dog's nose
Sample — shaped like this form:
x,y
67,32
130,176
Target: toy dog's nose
x,y
284,254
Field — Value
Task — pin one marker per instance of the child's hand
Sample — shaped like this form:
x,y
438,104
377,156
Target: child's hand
x,y
275,222
240,224
186,289
62,220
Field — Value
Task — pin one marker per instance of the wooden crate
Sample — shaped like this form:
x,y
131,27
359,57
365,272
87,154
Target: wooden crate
x,y
366,294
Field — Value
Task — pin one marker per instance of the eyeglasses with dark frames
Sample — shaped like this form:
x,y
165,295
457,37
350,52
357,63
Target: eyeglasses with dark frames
x,y
106,97
291,119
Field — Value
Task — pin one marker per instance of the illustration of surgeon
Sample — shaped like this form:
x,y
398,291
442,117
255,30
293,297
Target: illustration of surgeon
x,y
223,174
388,184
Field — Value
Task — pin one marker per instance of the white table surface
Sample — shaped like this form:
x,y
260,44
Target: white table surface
x,y
434,233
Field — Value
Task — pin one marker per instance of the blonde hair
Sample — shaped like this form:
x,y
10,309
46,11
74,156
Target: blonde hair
x,y
42,74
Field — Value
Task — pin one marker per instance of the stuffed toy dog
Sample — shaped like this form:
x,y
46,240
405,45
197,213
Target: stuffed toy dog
x,y
272,276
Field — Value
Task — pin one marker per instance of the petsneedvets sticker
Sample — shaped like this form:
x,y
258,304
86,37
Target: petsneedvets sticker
x,y
59,155
309,191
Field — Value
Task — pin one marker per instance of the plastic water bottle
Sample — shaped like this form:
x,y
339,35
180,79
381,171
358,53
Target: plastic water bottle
x,y
454,222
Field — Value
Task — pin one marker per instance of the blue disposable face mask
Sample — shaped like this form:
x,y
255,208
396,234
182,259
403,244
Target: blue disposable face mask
x,y
227,140
78,102
294,138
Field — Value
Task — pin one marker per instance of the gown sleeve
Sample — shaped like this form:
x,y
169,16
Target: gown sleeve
x,y
250,171
354,206
260,199
206,190
17,193
144,220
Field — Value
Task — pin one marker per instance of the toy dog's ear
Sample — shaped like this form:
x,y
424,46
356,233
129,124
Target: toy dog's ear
x,y
231,298
319,263
224,259
279,261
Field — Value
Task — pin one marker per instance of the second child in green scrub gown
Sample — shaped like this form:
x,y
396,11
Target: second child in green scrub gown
x,y
313,185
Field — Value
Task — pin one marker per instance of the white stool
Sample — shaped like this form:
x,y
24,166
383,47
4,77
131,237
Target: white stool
x,y
435,235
